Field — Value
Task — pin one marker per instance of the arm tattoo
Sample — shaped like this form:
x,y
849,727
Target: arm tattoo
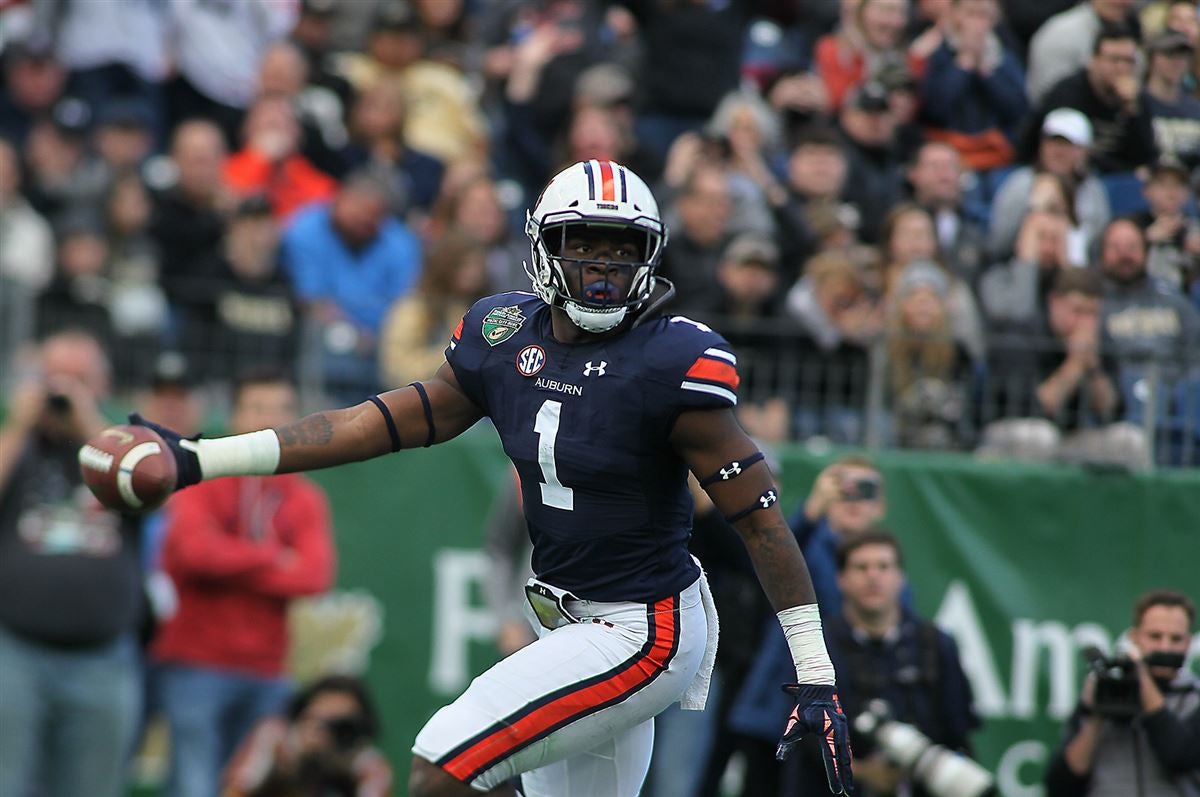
x,y
779,564
315,430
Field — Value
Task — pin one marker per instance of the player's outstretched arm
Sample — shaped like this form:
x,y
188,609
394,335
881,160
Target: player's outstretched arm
x,y
407,417
333,437
729,466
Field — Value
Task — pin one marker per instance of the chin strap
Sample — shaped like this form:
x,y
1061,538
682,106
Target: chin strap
x,y
655,303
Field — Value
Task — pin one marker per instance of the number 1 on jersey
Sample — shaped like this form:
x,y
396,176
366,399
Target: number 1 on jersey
x,y
546,426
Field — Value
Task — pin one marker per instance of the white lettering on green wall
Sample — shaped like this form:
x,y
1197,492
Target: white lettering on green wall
x,y
459,616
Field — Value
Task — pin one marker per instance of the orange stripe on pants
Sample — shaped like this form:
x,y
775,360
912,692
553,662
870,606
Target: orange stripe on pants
x,y
484,753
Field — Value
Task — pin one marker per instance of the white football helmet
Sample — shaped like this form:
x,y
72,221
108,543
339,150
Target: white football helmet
x,y
596,194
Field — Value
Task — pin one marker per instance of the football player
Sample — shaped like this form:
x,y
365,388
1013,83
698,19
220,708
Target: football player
x,y
603,403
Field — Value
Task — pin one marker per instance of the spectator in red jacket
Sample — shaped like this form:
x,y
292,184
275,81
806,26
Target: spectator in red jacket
x,y
239,551
864,44
270,161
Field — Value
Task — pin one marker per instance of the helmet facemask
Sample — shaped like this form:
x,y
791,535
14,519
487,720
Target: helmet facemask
x,y
595,294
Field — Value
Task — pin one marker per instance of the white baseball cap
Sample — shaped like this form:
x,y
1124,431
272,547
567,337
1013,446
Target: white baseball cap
x,y
1070,124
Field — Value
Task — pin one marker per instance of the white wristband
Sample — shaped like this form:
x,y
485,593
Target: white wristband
x,y
253,454
802,627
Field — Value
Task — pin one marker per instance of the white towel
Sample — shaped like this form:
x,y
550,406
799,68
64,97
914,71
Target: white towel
x,y
696,695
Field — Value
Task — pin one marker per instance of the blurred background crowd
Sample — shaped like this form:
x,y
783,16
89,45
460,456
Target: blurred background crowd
x,y
951,224
963,225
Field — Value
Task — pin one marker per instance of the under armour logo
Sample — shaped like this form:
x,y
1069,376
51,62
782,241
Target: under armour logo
x,y
768,498
589,369
733,470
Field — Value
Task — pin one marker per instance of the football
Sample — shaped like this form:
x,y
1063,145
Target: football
x,y
128,468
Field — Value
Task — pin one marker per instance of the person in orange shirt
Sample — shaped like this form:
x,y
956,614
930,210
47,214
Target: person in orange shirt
x,y
270,161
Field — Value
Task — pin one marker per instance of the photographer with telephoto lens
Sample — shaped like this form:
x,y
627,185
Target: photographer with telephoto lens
x,y
1136,730
901,681
324,747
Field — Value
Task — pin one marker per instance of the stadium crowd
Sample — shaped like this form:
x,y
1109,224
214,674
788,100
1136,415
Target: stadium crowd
x,y
950,224
962,224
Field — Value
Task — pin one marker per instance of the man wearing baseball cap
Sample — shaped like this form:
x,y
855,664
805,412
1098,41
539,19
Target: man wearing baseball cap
x,y
1069,125
1063,146
1176,113
1170,225
1108,93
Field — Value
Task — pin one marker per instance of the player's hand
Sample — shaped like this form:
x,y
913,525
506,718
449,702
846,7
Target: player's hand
x,y
187,464
818,711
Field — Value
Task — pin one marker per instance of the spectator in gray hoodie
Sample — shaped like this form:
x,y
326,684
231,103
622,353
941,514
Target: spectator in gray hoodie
x,y
1012,294
1144,317
1066,139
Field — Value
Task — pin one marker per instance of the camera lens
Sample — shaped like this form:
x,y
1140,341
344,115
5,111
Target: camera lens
x,y
346,732
57,402
867,489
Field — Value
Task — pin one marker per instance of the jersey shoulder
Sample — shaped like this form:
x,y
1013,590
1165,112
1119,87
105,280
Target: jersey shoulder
x,y
691,360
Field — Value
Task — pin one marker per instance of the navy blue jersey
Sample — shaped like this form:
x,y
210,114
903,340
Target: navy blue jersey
x,y
587,427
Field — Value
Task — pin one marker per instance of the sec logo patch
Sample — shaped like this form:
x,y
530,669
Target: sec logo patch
x,y
530,360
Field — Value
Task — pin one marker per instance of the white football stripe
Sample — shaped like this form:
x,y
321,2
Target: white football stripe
x,y
453,345
724,355
125,472
728,395
94,458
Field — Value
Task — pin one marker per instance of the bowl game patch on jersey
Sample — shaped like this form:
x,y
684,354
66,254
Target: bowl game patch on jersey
x,y
501,323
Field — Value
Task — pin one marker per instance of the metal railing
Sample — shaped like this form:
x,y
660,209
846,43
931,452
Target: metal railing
x,y
847,394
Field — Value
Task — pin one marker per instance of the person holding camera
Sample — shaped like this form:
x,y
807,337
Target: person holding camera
x,y
847,499
324,747
1136,730
70,589
897,669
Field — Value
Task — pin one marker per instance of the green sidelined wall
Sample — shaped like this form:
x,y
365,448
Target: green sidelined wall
x,y
1023,565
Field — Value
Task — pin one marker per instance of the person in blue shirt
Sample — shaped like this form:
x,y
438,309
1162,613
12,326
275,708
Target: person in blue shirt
x,y
349,260
847,499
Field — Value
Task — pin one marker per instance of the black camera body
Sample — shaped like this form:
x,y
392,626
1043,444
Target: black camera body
x,y
1118,694
1118,689
58,403
347,733
863,488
